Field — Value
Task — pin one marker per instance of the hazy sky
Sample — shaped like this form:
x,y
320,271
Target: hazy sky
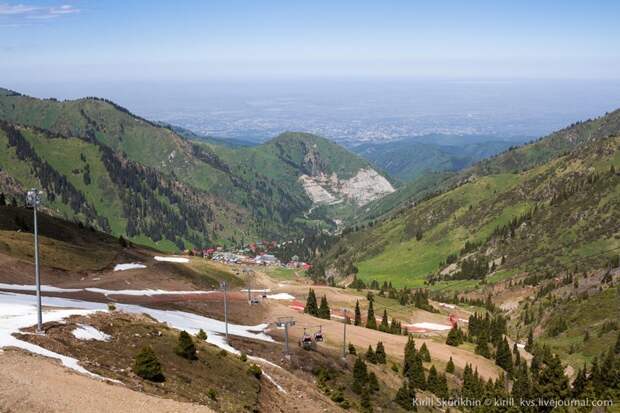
x,y
90,41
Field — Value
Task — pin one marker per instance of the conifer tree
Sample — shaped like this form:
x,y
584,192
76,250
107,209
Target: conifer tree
x,y
384,326
529,346
358,314
371,322
617,346
147,366
404,396
522,386
482,345
410,355
450,366
442,390
352,349
371,356
416,374
2,199
455,337
360,376
503,356
373,383
185,346
432,382
365,400
324,311
424,353
580,382
311,304
551,383
380,353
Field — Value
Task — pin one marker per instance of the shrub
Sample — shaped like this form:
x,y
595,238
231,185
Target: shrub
x,y
202,335
147,366
212,394
185,346
243,357
111,307
223,353
352,349
255,371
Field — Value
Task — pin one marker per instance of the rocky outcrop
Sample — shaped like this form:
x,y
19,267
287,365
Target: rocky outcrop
x,y
367,185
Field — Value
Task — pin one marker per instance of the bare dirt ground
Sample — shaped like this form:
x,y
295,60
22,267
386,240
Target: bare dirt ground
x,y
30,383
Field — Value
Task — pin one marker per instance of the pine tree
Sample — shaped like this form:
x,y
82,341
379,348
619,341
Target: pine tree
x,y
482,346
360,376
2,199
311,304
424,353
380,353
617,346
358,314
384,326
551,383
371,356
503,356
405,396
455,337
580,382
352,349
442,390
147,366
530,341
516,353
450,366
522,385
365,400
416,374
185,346
324,311
371,322
432,382
373,383
410,356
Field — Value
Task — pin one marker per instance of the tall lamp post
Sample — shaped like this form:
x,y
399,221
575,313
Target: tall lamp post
x,y
33,198
223,285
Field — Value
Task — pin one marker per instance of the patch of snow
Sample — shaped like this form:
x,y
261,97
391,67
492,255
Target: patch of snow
x,y
52,289
44,288
450,306
258,290
86,332
192,323
280,388
431,326
281,296
18,313
128,266
148,293
172,259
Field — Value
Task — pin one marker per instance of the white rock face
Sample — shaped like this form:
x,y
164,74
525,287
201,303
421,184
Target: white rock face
x,y
367,185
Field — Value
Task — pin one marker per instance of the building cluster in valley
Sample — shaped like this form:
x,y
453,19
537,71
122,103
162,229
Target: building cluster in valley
x,y
258,253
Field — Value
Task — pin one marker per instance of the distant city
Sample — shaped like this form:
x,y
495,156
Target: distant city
x,y
355,111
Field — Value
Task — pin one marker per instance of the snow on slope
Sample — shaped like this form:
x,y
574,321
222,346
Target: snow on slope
x,y
172,259
128,266
86,332
52,289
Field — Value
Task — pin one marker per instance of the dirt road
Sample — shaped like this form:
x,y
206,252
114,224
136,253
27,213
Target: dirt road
x,y
33,384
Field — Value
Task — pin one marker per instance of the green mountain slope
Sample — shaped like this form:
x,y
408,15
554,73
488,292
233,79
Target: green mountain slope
x,y
514,159
409,159
565,208
123,174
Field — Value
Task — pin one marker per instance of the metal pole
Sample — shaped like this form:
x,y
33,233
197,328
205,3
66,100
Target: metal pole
x,y
225,309
37,274
286,336
344,336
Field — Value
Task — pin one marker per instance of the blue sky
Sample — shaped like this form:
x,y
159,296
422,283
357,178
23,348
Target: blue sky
x,y
88,41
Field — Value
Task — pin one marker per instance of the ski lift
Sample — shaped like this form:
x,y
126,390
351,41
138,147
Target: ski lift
x,y
318,336
306,341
